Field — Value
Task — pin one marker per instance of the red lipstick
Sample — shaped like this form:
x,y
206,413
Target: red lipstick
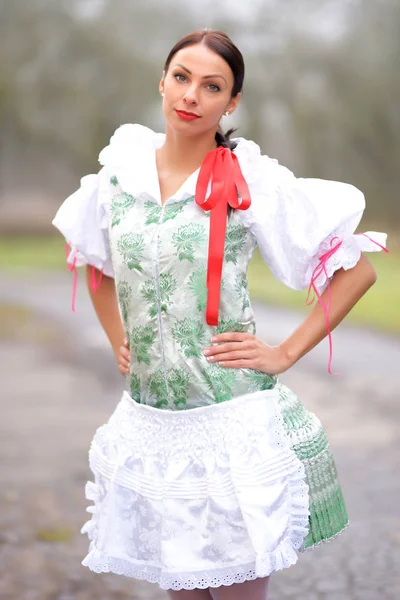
x,y
186,116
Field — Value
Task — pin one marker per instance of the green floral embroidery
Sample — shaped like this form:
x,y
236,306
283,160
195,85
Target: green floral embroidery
x,y
173,209
113,180
148,292
190,335
178,383
229,325
241,287
220,381
158,388
234,242
135,387
152,211
187,239
198,288
124,297
131,247
260,381
120,205
167,286
142,339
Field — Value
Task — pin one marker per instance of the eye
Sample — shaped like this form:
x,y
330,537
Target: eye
x,y
180,77
213,87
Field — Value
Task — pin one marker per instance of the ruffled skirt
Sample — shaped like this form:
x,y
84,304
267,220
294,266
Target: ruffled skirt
x,y
210,496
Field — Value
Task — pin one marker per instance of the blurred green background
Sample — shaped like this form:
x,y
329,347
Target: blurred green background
x,y
322,94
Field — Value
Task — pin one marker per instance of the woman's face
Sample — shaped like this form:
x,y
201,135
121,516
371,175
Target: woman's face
x,y
200,82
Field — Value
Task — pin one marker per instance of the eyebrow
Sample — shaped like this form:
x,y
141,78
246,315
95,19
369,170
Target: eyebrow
x,y
205,76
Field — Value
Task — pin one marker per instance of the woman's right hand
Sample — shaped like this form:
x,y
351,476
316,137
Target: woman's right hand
x,y
124,358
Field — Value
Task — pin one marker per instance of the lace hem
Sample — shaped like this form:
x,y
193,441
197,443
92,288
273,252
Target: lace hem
x,y
262,566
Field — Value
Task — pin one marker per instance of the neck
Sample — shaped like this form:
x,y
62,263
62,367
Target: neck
x,y
185,153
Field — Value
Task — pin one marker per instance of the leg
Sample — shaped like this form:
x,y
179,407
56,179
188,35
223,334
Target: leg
x,y
190,595
249,590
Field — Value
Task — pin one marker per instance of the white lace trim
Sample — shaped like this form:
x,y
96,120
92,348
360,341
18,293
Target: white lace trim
x,y
346,257
211,430
262,566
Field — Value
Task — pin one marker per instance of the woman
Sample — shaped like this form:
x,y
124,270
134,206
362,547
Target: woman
x,y
210,474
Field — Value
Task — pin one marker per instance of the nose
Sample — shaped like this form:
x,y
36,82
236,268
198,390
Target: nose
x,y
191,97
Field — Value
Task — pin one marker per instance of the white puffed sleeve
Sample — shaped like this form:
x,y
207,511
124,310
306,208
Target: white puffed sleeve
x,y
304,227
83,221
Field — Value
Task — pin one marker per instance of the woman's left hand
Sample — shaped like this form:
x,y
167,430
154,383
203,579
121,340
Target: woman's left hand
x,y
246,351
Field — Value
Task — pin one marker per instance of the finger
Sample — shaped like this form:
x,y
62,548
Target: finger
x,y
123,370
123,361
233,355
125,342
240,363
232,336
124,352
228,347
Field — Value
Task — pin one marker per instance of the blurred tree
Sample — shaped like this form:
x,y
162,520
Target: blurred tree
x,y
322,87
330,102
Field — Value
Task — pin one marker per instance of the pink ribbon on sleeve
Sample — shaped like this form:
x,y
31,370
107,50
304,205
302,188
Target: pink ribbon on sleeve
x,y
319,269
72,269
94,284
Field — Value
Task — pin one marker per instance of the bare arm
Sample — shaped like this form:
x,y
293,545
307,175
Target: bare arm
x,y
347,287
244,350
106,307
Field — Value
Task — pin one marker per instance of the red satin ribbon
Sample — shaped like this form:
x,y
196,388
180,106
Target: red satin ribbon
x,y
227,183
94,284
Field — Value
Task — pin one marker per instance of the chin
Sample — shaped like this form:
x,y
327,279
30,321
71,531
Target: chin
x,y
184,127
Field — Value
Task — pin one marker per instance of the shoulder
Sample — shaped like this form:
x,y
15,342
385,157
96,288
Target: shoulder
x,y
262,172
127,139
267,177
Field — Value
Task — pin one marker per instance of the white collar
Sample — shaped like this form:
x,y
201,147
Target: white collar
x,y
131,157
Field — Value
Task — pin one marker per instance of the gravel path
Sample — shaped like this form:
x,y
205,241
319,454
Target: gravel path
x,y
55,391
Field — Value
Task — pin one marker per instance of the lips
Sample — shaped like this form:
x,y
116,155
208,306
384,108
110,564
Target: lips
x,y
187,116
184,112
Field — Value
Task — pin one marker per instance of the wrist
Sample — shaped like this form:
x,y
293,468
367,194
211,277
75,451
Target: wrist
x,y
116,348
289,355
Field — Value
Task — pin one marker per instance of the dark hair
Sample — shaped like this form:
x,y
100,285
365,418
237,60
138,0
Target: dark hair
x,y
220,43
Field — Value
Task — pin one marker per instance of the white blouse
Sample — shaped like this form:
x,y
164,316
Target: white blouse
x,y
294,220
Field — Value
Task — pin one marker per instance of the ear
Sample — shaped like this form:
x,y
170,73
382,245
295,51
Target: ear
x,y
232,106
161,84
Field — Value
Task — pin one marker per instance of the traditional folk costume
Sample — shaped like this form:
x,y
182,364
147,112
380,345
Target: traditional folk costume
x,y
206,475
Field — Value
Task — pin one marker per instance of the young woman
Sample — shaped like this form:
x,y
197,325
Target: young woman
x,y
210,474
